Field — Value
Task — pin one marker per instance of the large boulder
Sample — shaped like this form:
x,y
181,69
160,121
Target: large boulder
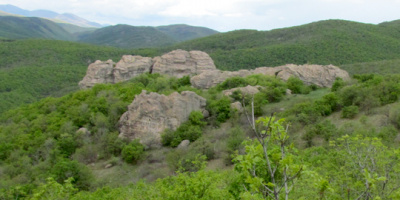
x,y
322,76
150,114
181,63
98,72
130,66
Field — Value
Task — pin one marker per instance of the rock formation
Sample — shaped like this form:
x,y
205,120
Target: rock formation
x,y
181,63
176,63
130,66
98,72
322,76
150,114
245,90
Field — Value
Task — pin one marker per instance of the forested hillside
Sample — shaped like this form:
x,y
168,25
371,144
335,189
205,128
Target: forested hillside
x,y
335,42
34,69
31,27
126,36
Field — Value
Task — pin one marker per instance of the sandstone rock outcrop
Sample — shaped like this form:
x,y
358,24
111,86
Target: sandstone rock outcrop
x,y
245,90
130,66
179,63
98,72
176,63
150,114
322,76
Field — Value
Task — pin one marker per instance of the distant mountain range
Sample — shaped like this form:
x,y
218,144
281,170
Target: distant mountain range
x,y
60,18
17,23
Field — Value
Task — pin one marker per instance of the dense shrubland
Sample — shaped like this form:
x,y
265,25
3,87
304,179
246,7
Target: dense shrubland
x,y
44,156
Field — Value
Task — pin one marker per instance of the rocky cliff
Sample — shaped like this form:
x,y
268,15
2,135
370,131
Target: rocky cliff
x,y
201,67
150,114
176,63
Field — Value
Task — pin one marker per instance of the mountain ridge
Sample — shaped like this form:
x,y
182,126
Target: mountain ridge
x,y
66,17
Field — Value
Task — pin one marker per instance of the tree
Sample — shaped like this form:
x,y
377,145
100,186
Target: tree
x,y
365,168
268,169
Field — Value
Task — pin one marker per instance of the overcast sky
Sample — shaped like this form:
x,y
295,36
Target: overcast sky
x,y
221,15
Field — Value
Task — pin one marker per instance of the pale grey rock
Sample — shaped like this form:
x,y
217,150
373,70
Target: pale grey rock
x,y
131,66
322,76
288,92
150,114
319,75
179,63
98,72
184,144
250,90
237,105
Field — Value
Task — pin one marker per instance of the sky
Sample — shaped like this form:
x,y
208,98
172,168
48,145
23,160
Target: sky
x,y
220,15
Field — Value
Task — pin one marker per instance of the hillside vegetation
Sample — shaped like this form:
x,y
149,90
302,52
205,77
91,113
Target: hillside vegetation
x,y
34,69
123,36
31,27
335,42
44,156
126,36
183,32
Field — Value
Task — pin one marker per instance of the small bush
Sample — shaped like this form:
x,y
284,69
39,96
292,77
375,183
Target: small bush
x,y
297,86
190,130
220,109
132,152
337,85
349,112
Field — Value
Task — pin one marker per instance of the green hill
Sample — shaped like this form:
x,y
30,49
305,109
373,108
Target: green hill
x,y
335,42
34,69
73,29
183,32
31,27
126,36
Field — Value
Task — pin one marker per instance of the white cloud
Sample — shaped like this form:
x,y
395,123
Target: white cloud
x,y
222,15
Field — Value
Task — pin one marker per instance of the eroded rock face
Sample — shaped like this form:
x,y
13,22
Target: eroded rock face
x,y
150,114
322,76
176,63
211,78
179,63
130,66
98,72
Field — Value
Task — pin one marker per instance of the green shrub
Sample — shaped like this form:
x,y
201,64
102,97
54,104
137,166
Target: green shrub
x,y
349,112
297,86
337,85
132,152
190,130
220,109
233,82
184,81
324,129
65,169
